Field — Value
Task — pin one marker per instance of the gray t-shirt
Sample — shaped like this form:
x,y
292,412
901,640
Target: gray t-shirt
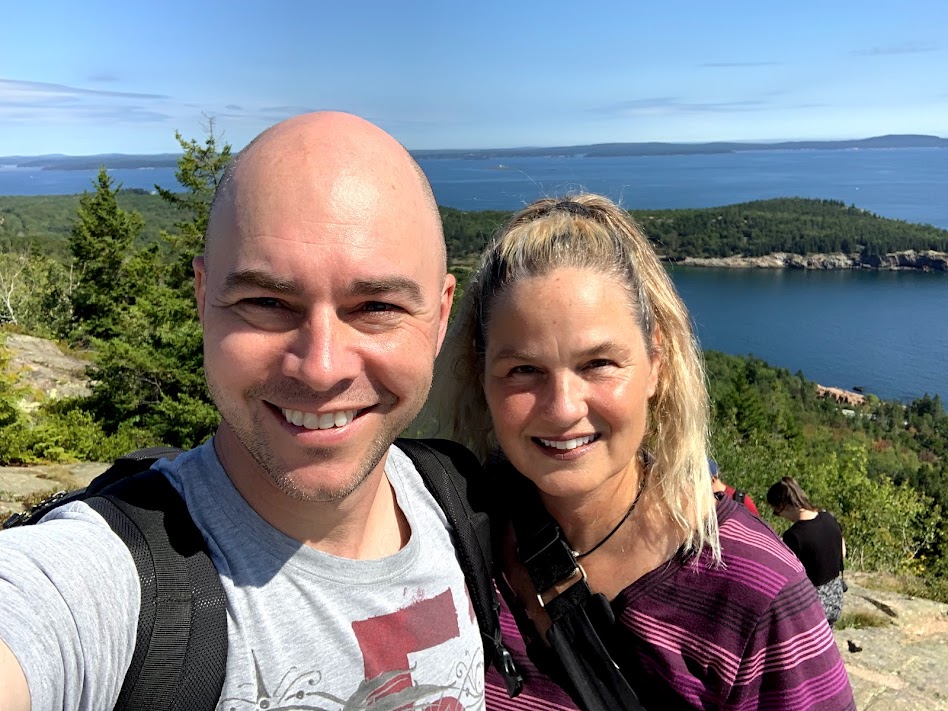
x,y
306,629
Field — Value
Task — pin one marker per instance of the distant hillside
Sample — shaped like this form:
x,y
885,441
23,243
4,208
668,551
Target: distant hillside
x,y
596,150
615,150
109,160
43,222
752,229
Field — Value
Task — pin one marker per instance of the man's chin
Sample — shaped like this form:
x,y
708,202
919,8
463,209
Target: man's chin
x,y
320,484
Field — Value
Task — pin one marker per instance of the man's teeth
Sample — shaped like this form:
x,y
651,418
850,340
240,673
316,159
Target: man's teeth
x,y
312,421
568,443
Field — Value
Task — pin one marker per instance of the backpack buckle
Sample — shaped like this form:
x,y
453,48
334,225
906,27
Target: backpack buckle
x,y
545,597
508,670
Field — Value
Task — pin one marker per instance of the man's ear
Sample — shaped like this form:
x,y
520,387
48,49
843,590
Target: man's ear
x,y
447,299
200,283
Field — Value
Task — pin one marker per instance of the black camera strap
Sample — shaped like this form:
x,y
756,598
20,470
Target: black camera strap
x,y
575,611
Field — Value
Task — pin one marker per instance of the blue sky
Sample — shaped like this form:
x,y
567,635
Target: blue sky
x,y
96,76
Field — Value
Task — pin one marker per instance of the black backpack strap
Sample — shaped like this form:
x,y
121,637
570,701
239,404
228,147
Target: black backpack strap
x,y
181,648
739,496
575,611
446,467
181,644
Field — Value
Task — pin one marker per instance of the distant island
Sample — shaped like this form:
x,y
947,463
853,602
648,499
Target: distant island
x,y
596,150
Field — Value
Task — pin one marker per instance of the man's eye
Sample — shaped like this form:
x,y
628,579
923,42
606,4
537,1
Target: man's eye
x,y
522,370
379,307
263,302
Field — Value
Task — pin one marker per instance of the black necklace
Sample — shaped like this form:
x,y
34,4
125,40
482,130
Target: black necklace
x,y
625,518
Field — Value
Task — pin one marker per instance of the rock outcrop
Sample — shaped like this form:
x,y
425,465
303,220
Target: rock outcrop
x,y
902,663
929,261
44,370
844,397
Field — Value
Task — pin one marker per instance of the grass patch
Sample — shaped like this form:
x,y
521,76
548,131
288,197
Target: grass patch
x,y
39,497
929,588
861,620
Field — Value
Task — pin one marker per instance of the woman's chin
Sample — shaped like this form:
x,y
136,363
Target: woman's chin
x,y
563,484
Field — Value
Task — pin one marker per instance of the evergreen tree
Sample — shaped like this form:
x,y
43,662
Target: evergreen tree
x,y
101,245
153,374
200,170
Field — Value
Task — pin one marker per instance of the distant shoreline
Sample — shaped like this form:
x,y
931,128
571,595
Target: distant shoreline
x,y
909,260
135,161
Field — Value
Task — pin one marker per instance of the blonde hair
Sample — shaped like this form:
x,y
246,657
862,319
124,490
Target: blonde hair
x,y
590,232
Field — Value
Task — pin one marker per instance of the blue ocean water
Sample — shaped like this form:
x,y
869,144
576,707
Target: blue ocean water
x,y
906,183
886,332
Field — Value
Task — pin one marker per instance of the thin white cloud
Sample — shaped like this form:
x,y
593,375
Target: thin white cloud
x,y
42,103
730,65
904,48
673,105
14,89
104,77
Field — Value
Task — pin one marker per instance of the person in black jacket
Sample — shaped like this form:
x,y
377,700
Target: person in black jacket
x,y
817,540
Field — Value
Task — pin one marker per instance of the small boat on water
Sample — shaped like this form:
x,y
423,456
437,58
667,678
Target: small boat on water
x,y
858,388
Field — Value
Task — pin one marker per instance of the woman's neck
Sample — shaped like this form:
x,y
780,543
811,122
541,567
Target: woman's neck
x,y
796,515
587,518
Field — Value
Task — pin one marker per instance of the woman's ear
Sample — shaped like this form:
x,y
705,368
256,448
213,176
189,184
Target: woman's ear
x,y
656,360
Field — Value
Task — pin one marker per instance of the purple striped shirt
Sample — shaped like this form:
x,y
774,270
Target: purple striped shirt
x,y
748,635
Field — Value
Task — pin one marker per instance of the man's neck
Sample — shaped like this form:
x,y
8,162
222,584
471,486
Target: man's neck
x,y
367,524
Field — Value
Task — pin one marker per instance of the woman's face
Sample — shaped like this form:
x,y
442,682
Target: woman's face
x,y
567,379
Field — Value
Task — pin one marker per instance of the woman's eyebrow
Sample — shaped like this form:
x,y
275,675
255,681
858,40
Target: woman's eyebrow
x,y
604,348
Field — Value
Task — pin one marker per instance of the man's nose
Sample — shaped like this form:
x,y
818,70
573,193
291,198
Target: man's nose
x,y
323,352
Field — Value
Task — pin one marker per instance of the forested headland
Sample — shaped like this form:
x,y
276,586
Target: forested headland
x,y
107,275
42,224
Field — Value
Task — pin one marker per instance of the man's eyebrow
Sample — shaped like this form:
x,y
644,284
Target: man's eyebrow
x,y
388,286
260,279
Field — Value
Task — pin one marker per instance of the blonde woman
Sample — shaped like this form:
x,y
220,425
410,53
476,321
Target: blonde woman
x,y
572,371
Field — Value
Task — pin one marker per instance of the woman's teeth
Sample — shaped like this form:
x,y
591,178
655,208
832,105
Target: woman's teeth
x,y
567,443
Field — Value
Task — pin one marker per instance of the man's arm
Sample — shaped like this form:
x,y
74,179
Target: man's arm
x,y
69,602
16,694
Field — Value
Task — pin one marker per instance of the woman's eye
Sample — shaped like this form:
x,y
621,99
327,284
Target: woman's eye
x,y
599,363
522,370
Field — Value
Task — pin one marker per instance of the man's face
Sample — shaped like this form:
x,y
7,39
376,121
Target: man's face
x,y
323,306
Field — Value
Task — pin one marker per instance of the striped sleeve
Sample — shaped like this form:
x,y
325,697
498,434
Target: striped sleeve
x,y
791,661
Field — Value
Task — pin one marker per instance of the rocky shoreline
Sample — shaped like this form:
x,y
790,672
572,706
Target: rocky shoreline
x,y
927,261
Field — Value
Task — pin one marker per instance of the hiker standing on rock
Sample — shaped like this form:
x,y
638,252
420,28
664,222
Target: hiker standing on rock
x,y
817,540
324,298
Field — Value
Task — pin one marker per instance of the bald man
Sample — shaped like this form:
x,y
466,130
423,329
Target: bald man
x,y
324,298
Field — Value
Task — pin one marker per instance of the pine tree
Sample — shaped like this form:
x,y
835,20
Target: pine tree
x,y
153,373
200,170
101,245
